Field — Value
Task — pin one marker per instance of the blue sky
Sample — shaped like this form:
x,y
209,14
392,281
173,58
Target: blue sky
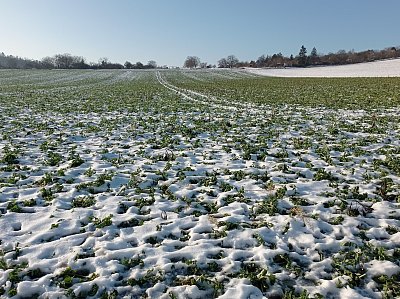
x,y
169,30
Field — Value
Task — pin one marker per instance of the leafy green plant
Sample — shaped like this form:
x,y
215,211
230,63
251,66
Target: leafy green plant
x,y
337,220
83,202
150,278
10,156
14,207
47,194
258,276
132,262
321,174
53,159
268,206
76,160
101,223
69,277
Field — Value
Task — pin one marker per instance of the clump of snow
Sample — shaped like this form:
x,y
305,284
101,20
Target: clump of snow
x,y
242,291
377,268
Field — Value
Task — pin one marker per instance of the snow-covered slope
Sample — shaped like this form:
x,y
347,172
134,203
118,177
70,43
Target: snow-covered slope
x,y
384,68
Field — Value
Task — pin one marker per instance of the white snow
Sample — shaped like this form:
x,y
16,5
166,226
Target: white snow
x,y
242,291
384,68
377,268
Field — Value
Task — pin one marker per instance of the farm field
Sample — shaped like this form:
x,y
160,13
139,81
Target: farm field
x,y
382,68
198,184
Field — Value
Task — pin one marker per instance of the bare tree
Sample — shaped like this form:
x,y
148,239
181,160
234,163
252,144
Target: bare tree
x,y
63,61
192,62
223,63
103,62
232,61
138,65
128,65
48,62
277,60
151,64
79,62
260,62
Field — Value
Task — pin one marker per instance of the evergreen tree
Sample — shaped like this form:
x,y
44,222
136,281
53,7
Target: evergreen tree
x,y
313,52
314,56
303,56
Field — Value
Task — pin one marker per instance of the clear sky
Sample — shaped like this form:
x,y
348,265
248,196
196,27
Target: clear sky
x,y
169,30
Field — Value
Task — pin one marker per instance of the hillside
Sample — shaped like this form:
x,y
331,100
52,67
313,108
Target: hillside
x,y
384,68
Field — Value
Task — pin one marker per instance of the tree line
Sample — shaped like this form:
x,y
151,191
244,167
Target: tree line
x,y
68,61
302,59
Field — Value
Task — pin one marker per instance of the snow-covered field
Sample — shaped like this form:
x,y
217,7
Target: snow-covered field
x,y
136,186
384,68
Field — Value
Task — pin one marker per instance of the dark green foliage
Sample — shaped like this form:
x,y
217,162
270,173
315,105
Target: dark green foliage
x,y
268,206
132,262
83,202
100,223
47,194
53,159
69,277
258,276
321,174
130,223
302,56
76,160
9,156
14,207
